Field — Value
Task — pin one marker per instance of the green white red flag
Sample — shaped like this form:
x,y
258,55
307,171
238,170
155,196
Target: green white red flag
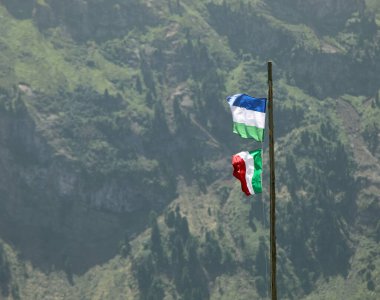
x,y
248,168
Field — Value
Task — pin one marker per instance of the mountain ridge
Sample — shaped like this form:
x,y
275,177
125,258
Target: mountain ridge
x,y
101,127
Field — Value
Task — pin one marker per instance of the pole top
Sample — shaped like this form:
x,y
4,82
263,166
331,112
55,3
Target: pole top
x,y
269,71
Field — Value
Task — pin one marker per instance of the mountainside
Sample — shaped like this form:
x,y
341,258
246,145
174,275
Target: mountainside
x,y
115,146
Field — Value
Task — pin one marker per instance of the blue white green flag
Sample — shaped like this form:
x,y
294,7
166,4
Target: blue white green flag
x,y
248,116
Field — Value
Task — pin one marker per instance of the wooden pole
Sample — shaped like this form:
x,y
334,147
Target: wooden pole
x,y
272,186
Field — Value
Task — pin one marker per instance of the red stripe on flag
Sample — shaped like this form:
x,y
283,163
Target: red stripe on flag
x,y
239,172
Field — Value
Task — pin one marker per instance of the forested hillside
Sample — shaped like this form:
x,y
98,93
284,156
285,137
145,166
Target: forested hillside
x,y
116,141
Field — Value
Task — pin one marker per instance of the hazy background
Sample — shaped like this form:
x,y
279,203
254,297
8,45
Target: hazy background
x,y
116,139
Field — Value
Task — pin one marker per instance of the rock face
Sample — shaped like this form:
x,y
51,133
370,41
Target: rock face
x,y
47,198
21,9
84,20
93,19
330,15
41,166
323,9
82,162
317,66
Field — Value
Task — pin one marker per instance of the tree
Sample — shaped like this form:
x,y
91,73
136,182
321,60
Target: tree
x,y
170,219
260,261
144,270
5,273
125,248
155,237
138,85
183,228
156,290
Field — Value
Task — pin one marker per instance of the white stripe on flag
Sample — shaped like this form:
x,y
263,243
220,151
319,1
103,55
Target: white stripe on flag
x,y
248,117
249,169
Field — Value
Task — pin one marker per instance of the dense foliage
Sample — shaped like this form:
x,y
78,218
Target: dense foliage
x,y
116,139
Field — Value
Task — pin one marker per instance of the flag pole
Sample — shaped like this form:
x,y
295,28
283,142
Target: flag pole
x,y
272,186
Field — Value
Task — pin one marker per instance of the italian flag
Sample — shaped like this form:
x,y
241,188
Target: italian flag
x,y
248,116
248,167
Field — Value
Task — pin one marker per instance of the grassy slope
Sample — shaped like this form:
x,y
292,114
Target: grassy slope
x,y
115,280
375,7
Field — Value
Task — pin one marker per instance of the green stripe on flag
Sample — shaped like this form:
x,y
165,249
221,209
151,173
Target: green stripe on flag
x,y
249,132
258,163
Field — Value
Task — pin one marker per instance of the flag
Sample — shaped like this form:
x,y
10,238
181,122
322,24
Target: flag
x,y
248,167
248,115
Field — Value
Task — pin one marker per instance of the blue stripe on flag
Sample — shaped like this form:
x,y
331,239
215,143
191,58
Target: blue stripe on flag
x,y
250,103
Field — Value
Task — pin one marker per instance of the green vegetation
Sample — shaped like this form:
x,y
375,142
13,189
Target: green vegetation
x,y
116,139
